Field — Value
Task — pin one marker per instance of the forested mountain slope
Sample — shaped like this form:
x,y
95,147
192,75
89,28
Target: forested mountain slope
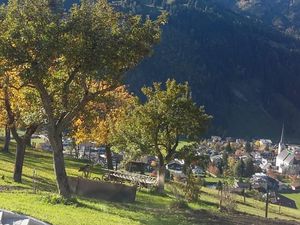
x,y
235,56
245,72
284,15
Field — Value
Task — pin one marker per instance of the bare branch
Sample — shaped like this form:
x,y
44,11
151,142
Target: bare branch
x,y
66,87
67,118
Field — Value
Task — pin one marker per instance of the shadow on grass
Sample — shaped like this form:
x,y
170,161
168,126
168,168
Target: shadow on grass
x,y
134,212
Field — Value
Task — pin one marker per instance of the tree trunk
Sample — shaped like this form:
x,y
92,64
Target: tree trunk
x,y
59,163
7,139
221,198
28,142
90,150
109,158
20,155
161,178
77,152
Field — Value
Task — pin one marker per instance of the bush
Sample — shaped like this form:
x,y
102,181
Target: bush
x,y
192,189
55,199
229,202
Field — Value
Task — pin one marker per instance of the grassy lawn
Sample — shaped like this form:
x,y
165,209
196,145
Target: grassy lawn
x,y
252,206
93,212
213,179
184,143
148,208
295,197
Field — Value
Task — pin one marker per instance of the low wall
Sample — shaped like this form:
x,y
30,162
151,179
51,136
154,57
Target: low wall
x,y
102,190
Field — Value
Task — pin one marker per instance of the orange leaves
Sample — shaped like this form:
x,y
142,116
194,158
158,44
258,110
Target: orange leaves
x,y
99,118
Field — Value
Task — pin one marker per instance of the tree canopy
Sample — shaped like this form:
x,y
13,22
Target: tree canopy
x,y
156,126
71,57
21,110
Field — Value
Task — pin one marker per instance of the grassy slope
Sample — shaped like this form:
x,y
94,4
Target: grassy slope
x,y
254,207
148,209
295,197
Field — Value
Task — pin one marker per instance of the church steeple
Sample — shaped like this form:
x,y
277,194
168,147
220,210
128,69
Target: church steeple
x,y
281,145
282,134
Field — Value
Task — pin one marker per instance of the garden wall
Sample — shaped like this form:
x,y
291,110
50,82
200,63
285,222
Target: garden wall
x,y
102,190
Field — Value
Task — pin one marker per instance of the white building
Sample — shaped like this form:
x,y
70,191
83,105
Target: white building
x,y
288,158
265,142
216,138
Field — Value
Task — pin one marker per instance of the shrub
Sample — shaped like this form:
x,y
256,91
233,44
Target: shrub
x,y
55,199
192,188
229,202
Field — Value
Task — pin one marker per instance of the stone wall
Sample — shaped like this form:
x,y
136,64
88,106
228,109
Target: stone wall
x,y
102,190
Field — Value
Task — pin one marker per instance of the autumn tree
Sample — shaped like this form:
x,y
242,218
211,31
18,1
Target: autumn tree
x,y
156,126
4,124
97,122
22,108
231,161
66,56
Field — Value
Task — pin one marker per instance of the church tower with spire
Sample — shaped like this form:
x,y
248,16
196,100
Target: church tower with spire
x,y
281,145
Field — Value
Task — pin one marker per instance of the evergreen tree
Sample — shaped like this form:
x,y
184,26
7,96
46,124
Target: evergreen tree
x,y
239,169
249,167
228,148
225,160
248,147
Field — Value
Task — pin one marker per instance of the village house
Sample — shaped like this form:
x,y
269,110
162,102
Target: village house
x,y
216,139
288,158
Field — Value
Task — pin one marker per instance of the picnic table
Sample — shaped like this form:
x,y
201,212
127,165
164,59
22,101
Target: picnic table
x,y
124,176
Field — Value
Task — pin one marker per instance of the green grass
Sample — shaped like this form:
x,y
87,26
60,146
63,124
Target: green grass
x,y
252,206
93,212
295,197
213,179
149,208
184,143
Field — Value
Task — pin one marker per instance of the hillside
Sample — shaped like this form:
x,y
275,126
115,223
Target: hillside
x,y
243,71
284,15
236,57
148,208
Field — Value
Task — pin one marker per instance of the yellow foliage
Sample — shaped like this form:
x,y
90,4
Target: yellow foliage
x,y
99,119
23,100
